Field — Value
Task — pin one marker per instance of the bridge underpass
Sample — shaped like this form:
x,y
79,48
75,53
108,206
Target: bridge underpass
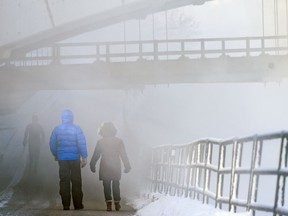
x,y
165,62
51,45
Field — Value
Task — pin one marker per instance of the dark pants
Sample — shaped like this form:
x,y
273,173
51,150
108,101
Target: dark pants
x,y
34,153
70,172
115,188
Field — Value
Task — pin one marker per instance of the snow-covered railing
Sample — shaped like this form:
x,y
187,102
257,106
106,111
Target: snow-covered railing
x,y
237,174
150,50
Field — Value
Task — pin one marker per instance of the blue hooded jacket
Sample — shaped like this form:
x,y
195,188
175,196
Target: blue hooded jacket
x,y
67,141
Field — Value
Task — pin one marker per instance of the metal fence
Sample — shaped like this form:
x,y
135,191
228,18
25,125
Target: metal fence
x,y
151,50
237,174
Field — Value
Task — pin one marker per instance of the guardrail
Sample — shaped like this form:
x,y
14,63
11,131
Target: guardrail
x,y
237,174
151,50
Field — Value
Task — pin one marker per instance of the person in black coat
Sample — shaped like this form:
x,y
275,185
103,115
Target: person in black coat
x,y
112,151
34,137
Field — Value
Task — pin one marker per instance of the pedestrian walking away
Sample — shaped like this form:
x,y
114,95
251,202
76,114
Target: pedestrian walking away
x,y
68,146
34,137
112,151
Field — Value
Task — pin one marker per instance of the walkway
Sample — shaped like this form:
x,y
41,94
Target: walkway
x,y
36,193
24,203
55,212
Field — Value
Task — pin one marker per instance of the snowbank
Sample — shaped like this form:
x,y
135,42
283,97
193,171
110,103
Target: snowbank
x,y
160,205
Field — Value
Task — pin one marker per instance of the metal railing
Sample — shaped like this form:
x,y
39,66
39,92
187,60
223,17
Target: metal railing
x,y
151,50
237,174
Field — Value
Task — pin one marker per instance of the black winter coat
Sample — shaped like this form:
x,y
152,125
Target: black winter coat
x,y
112,151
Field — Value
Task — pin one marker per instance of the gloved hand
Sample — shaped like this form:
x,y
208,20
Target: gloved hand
x,y
126,170
83,162
92,168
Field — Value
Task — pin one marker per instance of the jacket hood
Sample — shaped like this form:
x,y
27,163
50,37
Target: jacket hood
x,y
67,116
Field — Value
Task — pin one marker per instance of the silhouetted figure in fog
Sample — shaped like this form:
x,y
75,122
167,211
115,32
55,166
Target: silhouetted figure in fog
x,y
68,146
111,149
34,136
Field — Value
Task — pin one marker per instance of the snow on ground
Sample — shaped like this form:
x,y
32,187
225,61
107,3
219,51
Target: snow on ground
x,y
161,205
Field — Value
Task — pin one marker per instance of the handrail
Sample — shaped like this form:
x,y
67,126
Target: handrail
x,y
151,50
230,173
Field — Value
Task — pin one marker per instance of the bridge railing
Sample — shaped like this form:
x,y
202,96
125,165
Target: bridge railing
x,y
237,174
151,50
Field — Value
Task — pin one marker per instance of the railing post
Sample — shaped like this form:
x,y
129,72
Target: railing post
x,y
172,154
219,188
223,47
205,168
258,160
182,48
182,168
166,165
194,158
263,45
97,53
149,181
238,164
208,157
254,178
247,47
155,46
251,173
279,174
233,178
140,50
56,53
188,169
202,48
197,171
107,47
286,153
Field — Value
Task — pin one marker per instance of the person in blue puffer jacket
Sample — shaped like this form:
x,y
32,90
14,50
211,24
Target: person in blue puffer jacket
x,y
68,146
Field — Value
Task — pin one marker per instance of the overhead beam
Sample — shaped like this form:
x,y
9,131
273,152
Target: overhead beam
x,y
124,76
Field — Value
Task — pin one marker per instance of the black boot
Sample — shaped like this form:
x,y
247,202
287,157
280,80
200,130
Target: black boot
x,y
117,206
80,207
66,208
109,206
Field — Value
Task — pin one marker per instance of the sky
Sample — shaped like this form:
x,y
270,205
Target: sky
x,y
207,20
160,114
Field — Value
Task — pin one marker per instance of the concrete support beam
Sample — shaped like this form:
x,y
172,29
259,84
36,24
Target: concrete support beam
x,y
135,75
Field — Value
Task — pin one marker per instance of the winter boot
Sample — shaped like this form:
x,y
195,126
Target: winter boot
x,y
109,206
117,206
66,208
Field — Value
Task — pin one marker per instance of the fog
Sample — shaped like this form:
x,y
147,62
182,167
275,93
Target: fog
x,y
246,18
156,115
160,114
